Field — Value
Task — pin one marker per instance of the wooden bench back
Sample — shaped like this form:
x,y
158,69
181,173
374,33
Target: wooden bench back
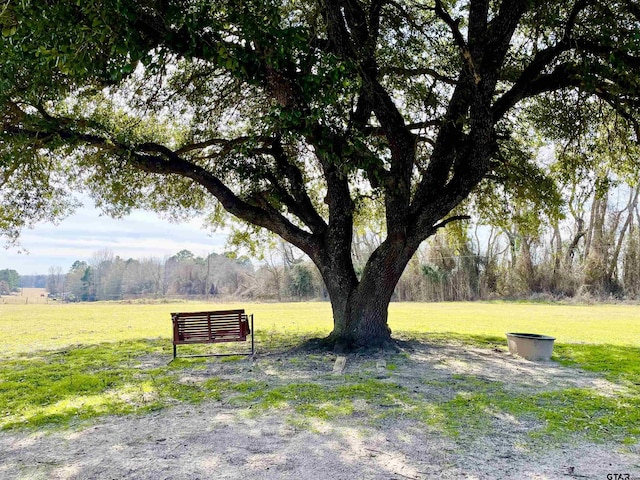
x,y
210,327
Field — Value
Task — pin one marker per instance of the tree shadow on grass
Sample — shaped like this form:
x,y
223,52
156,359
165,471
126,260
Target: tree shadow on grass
x,y
456,405
57,387
450,375
617,363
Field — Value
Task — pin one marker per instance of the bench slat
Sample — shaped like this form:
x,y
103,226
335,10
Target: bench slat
x,y
210,327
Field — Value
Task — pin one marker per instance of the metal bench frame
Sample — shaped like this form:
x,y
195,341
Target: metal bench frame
x,y
212,327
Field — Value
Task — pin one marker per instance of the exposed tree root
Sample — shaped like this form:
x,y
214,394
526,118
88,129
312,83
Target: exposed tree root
x,y
340,346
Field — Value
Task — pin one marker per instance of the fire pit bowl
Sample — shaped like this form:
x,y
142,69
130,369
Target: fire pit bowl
x,y
530,346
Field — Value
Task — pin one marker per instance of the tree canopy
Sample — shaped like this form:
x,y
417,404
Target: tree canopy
x,y
298,116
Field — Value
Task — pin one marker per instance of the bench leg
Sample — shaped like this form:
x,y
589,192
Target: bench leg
x,y
252,347
174,351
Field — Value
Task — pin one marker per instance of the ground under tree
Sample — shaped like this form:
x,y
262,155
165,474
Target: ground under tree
x,y
302,117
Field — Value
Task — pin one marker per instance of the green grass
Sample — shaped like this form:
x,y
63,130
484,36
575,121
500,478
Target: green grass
x,y
59,386
26,328
61,365
601,324
322,401
557,415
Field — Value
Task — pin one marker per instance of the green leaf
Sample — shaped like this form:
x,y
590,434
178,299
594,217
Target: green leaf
x,y
9,31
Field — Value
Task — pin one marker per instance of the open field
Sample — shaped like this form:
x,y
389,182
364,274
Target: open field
x,y
25,328
86,391
26,296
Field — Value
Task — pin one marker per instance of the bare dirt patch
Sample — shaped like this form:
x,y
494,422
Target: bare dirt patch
x,y
234,440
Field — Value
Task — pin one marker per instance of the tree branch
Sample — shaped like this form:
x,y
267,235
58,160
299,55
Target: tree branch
x,y
418,71
447,221
573,16
158,159
532,83
299,204
337,33
452,24
500,31
614,102
459,40
605,51
227,144
260,216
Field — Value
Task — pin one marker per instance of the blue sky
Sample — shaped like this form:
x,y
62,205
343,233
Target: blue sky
x,y
78,237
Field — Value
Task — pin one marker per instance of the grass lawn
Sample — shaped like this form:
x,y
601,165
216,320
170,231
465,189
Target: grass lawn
x,y
602,324
61,364
27,328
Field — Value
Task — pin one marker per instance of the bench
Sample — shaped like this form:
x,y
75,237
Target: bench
x,y
211,327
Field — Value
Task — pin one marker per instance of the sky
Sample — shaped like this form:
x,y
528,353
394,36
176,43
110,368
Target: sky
x,y
78,237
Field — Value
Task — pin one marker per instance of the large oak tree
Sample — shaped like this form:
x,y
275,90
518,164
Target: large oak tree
x,y
297,115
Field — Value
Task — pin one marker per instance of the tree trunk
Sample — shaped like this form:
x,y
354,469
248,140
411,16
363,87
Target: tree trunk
x,y
613,261
571,250
360,320
360,309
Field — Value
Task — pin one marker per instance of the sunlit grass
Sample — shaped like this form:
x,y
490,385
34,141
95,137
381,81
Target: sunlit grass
x,y
66,386
25,328
603,324
69,363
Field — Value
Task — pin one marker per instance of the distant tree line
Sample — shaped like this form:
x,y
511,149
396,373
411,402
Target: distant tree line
x,y
33,281
592,251
109,277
